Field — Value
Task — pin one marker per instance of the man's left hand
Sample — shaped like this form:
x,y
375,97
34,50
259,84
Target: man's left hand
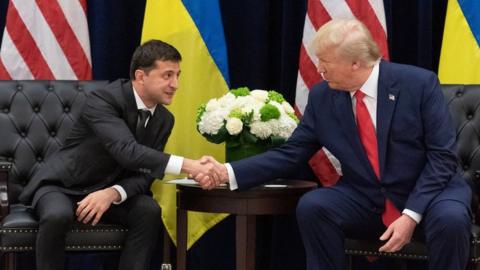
x,y
95,204
398,234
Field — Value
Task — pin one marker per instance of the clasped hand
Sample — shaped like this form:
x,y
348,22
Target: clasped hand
x,y
207,171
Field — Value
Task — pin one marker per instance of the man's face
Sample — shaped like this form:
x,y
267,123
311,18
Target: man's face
x,y
161,83
336,71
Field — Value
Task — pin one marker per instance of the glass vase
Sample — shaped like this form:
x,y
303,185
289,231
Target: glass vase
x,y
240,151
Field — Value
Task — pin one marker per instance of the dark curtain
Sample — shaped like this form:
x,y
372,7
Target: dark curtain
x,y
263,39
415,30
115,31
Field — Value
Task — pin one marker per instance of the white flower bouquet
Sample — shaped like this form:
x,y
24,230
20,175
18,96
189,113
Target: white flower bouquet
x,y
243,117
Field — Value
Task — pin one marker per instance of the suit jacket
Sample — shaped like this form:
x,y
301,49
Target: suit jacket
x,y
101,148
416,144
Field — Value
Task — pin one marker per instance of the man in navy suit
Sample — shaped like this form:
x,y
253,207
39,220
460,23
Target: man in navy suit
x,y
390,128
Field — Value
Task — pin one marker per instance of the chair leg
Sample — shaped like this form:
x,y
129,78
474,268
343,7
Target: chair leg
x,y
9,261
349,260
167,251
399,264
473,266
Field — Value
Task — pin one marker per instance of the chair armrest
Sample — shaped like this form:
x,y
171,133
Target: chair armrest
x,y
4,205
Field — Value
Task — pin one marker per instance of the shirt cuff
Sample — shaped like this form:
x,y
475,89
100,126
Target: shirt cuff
x,y
232,181
174,165
121,191
414,215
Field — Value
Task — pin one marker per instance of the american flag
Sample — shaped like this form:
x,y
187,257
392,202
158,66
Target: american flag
x,y
372,14
46,39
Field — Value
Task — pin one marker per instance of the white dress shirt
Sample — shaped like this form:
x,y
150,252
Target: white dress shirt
x,y
370,88
174,165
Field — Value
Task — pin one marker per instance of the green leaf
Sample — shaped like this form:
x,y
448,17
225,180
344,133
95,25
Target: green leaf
x,y
247,118
247,137
277,140
201,109
294,117
220,137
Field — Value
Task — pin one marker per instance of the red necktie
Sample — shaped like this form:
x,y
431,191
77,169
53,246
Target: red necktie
x,y
366,131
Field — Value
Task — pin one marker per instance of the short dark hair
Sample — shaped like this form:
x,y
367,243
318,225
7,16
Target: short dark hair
x,y
146,54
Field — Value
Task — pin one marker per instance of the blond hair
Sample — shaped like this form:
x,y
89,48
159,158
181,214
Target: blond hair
x,y
350,39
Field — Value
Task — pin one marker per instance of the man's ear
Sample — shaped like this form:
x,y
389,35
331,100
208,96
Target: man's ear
x,y
356,65
139,74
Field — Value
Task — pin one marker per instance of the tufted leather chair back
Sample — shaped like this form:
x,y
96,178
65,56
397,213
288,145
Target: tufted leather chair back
x,y
464,104
35,117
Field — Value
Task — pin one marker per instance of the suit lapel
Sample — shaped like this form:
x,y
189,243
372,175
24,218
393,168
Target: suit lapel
x,y
387,99
131,112
344,113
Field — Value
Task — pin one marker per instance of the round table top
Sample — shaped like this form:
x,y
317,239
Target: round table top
x,y
277,197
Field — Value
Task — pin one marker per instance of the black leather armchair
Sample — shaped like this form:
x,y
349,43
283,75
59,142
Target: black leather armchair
x,y
35,117
464,105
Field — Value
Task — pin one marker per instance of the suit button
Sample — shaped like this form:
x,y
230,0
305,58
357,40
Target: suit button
x,y
383,190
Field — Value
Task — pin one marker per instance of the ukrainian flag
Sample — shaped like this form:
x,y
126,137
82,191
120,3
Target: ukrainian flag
x,y
195,28
460,55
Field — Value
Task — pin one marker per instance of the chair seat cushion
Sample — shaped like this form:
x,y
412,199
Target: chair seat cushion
x,y
19,229
413,250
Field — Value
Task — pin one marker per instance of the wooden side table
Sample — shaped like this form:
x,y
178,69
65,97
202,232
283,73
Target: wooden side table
x,y
279,198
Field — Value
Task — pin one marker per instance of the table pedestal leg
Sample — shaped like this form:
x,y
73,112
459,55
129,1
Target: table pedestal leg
x,y
245,242
182,239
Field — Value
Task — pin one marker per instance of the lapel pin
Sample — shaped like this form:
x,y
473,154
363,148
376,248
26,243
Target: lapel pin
x,y
391,97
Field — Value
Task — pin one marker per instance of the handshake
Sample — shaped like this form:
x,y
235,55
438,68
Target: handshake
x,y
207,172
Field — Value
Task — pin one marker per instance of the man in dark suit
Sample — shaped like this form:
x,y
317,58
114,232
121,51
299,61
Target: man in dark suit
x,y
390,128
110,158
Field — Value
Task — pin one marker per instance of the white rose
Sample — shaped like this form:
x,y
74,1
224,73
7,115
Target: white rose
x,y
287,107
212,105
261,129
260,95
234,126
241,102
211,122
226,100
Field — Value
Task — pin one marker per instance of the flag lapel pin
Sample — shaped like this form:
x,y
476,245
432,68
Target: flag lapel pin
x,y
391,97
